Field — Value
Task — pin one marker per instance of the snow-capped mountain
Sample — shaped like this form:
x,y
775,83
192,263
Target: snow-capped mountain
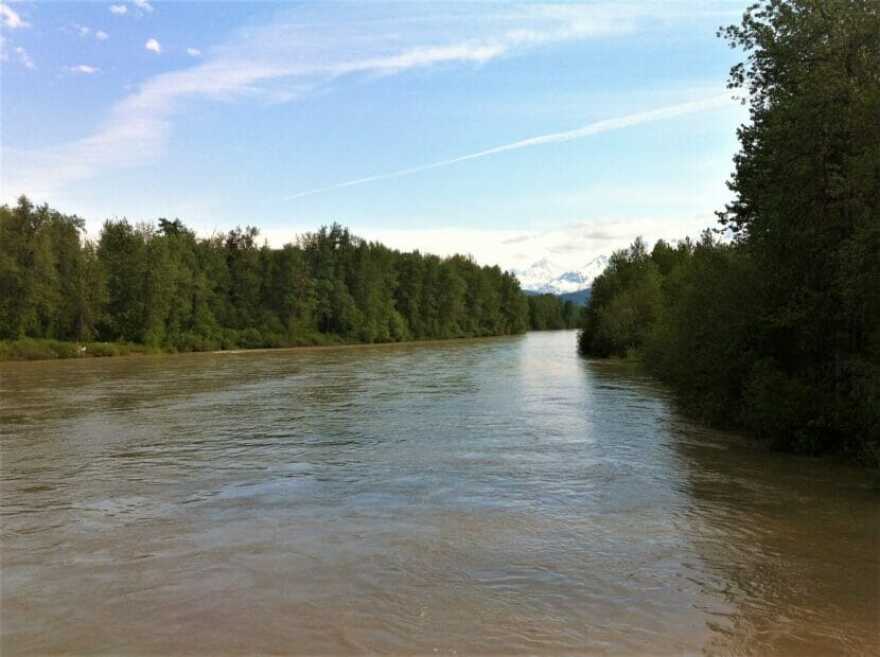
x,y
537,275
545,277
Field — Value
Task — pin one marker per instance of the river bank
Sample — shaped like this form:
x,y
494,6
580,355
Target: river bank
x,y
29,349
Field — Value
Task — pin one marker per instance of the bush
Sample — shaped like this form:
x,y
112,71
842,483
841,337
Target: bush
x,y
785,410
101,349
37,349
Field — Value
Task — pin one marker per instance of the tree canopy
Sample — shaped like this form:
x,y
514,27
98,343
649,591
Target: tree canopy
x,y
164,286
776,326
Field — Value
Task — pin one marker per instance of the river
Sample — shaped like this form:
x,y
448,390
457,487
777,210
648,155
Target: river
x,y
497,496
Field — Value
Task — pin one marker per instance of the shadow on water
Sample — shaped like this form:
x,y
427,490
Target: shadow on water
x,y
797,540
790,544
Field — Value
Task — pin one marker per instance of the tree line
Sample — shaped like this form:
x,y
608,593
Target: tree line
x,y
162,286
549,312
772,321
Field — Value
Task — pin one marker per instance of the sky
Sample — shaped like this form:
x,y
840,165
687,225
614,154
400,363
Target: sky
x,y
512,132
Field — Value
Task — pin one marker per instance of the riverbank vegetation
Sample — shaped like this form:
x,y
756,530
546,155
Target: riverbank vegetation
x,y
46,349
549,312
772,321
144,287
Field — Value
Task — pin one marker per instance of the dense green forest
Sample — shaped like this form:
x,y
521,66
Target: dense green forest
x,y
164,287
772,321
549,312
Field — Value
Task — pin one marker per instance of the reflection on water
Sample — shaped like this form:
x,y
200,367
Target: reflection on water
x,y
483,497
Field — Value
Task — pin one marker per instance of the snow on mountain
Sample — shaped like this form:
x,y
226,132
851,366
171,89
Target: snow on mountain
x,y
545,277
537,275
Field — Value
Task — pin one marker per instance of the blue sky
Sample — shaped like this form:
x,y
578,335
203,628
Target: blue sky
x,y
226,113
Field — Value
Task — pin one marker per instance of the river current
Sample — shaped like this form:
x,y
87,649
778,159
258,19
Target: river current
x,y
496,496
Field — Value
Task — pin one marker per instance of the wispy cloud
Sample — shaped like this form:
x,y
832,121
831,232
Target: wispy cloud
x,y
141,7
193,52
24,58
565,247
599,127
153,46
83,69
302,52
11,19
85,31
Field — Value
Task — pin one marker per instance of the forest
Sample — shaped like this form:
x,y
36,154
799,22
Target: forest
x,y
162,287
549,312
771,320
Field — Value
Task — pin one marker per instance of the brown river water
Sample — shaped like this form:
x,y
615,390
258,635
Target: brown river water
x,y
498,496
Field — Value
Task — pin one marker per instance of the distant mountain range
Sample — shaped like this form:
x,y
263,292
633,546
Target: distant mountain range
x,y
543,277
580,298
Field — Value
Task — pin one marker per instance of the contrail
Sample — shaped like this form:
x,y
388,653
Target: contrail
x,y
606,125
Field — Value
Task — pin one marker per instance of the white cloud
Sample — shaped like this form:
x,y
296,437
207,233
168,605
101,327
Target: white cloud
x,y
143,5
85,31
119,10
85,69
193,52
304,51
24,59
566,247
153,46
572,246
11,19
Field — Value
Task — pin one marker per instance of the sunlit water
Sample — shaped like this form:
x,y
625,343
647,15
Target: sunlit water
x,y
478,497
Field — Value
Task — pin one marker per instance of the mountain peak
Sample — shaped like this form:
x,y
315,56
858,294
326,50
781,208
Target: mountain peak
x,y
545,277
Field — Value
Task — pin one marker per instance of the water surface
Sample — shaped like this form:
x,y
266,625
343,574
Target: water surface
x,y
477,497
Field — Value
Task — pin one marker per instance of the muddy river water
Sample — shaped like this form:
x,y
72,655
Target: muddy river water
x,y
497,496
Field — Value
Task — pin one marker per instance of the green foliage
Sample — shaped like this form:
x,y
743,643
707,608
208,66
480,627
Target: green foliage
x,y
43,271
547,312
625,301
777,330
47,349
32,349
167,289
